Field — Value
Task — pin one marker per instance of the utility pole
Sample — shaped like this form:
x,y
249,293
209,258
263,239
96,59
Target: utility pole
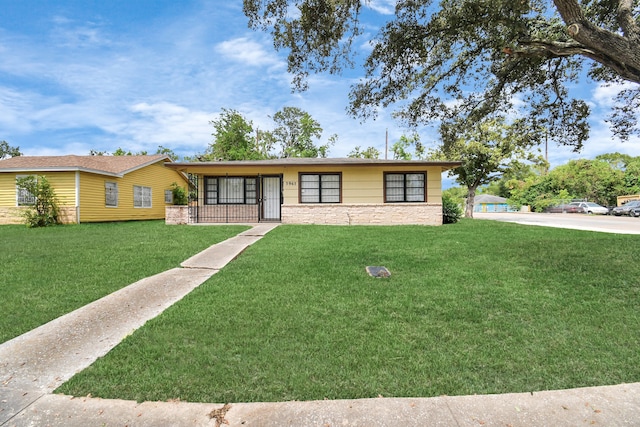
x,y
386,143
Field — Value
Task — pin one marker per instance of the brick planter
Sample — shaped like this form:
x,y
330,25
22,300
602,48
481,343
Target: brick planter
x,y
175,215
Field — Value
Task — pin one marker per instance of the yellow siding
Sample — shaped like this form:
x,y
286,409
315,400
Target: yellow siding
x,y
92,194
63,183
8,189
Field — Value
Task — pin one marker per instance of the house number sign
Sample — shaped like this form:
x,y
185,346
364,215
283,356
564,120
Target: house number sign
x,y
291,183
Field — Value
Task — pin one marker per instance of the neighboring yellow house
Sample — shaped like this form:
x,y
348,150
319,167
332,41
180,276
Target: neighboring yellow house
x,y
93,188
314,191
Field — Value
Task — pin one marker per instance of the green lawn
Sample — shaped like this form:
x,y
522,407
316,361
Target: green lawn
x,y
48,272
475,307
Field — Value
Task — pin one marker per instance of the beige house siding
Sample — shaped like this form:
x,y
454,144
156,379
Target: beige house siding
x,y
362,193
362,185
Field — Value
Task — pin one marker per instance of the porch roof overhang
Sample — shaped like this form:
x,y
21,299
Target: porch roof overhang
x,y
195,167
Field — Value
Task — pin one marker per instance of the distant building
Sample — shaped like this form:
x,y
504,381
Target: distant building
x,y
491,203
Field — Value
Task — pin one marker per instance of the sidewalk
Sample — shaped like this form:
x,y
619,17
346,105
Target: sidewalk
x,y
36,363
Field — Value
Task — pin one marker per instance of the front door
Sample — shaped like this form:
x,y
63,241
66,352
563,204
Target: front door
x,y
271,198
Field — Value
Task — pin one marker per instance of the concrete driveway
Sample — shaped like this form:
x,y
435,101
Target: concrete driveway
x,y
601,223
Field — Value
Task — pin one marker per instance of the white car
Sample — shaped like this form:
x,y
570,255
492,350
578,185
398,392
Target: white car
x,y
591,208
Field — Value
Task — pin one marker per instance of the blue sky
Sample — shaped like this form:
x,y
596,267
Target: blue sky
x,y
81,75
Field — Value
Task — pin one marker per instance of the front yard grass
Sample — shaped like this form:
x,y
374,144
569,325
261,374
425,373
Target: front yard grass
x,y
475,307
48,272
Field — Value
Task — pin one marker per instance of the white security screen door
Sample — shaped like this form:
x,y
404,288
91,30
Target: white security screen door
x,y
271,198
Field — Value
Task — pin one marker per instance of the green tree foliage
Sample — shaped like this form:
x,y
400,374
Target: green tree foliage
x,y
8,151
44,211
407,147
480,53
517,171
486,149
600,180
122,152
295,131
168,152
367,153
234,139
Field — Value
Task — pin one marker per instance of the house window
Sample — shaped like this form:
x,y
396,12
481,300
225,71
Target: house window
x,y
23,196
404,187
230,190
141,197
320,187
168,197
111,194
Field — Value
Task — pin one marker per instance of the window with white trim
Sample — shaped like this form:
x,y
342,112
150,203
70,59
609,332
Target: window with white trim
x,y
404,187
230,190
141,196
23,196
168,197
111,194
320,187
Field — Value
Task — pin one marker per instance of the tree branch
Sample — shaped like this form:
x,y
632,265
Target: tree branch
x,y
630,27
606,47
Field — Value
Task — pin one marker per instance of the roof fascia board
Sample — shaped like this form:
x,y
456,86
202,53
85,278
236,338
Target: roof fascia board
x,y
62,169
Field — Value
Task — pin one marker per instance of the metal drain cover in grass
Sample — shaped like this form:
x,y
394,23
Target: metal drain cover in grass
x,y
378,271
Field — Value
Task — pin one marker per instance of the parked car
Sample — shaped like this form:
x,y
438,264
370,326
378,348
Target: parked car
x,y
566,208
591,208
626,209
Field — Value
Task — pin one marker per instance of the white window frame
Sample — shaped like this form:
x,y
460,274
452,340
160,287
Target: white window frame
x,y
23,197
405,189
231,190
142,197
318,188
110,194
168,197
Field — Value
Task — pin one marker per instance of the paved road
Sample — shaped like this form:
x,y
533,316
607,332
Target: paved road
x,y
602,223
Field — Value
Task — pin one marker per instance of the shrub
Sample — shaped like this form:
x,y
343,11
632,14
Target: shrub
x,y
43,210
451,211
179,194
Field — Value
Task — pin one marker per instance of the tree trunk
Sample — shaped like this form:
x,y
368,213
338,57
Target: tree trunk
x,y
471,195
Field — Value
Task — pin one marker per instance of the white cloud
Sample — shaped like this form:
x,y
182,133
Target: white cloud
x,y
166,124
604,94
384,7
248,52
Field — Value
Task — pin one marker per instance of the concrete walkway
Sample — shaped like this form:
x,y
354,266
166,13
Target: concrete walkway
x,y
36,363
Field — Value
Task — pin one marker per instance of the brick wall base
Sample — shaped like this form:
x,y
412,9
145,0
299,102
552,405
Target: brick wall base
x,y
363,214
175,215
13,215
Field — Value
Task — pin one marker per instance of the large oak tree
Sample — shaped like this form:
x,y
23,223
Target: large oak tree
x,y
484,54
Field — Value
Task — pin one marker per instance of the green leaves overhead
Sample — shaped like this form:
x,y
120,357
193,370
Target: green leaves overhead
x,y
470,59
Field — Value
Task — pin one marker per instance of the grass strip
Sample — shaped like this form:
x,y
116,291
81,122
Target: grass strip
x,y
51,271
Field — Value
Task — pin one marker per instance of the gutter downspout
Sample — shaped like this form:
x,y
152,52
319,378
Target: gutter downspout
x,y
77,197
